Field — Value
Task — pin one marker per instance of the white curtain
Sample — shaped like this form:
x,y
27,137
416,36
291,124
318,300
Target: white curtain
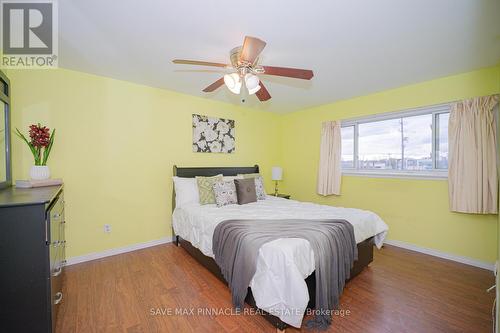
x,y
329,173
472,179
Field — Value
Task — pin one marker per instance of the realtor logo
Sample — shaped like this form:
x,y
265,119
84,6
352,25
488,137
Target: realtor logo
x,y
29,34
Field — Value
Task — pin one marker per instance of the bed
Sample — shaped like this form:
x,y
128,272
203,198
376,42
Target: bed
x,y
284,282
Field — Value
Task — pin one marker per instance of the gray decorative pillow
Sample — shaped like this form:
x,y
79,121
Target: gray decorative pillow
x,y
245,190
225,193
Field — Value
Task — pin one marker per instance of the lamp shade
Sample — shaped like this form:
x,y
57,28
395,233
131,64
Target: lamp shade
x,y
277,173
252,83
233,82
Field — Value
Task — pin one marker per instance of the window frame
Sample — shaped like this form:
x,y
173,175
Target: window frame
x,y
435,173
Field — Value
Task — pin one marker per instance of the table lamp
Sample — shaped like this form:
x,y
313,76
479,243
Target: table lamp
x,y
277,174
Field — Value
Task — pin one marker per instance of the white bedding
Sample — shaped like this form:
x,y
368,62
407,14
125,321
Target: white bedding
x,y
278,285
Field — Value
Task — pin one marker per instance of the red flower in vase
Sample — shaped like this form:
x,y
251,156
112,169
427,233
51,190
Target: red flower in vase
x,y
40,136
40,142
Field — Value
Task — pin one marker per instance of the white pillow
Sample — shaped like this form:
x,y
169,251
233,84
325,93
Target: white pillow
x,y
229,178
186,191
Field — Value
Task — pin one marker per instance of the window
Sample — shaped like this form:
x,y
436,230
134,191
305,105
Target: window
x,y
347,147
442,141
379,145
409,143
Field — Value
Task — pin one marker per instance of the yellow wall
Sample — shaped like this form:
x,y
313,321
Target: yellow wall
x,y
117,141
115,147
415,210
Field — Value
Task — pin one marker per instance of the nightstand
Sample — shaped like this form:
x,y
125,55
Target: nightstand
x,y
285,196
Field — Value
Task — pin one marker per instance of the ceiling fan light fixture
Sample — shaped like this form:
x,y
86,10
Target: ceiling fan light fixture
x,y
244,60
233,82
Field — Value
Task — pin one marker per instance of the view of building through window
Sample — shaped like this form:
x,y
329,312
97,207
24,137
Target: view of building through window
x,y
348,147
397,144
380,145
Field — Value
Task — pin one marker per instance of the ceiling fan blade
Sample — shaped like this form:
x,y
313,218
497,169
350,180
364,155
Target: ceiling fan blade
x,y
297,73
252,47
201,63
263,95
214,85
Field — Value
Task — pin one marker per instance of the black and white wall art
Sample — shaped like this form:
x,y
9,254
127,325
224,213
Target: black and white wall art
x,y
213,135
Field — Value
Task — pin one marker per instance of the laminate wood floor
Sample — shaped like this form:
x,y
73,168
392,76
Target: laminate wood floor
x,y
401,291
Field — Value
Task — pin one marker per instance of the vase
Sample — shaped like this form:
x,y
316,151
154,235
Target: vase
x,y
39,172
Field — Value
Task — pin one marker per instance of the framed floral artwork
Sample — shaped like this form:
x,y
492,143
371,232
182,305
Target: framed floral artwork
x,y
213,135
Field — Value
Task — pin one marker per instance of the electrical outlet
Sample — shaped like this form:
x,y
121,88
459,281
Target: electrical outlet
x,y
107,228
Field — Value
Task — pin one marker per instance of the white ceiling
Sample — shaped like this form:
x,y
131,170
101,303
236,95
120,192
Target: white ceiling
x,y
353,47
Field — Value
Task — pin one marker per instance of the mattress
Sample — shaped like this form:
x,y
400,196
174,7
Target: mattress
x,y
278,285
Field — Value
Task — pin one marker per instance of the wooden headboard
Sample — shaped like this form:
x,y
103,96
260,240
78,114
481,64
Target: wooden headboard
x,y
212,171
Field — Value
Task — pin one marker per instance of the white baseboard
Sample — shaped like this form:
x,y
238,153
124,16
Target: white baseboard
x,y
444,255
119,250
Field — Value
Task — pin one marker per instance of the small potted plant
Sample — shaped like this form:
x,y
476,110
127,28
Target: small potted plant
x,y
40,143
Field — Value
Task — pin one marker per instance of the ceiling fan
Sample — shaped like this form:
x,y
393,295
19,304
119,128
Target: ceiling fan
x,y
245,63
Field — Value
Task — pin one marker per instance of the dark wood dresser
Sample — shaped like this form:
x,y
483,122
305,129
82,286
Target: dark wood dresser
x,y
32,256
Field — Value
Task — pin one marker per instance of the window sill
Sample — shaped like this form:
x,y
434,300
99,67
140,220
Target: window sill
x,y
429,175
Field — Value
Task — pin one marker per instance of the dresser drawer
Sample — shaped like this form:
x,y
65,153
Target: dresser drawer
x,y
57,261
62,231
56,291
57,249
57,243
56,219
55,225
57,208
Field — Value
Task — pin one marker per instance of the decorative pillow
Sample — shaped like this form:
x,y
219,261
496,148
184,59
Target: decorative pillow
x,y
259,188
206,188
225,193
259,184
186,191
245,190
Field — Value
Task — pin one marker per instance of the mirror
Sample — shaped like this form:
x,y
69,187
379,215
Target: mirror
x,y
3,148
5,160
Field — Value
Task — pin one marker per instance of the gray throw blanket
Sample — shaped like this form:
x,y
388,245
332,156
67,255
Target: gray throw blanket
x,y
236,244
